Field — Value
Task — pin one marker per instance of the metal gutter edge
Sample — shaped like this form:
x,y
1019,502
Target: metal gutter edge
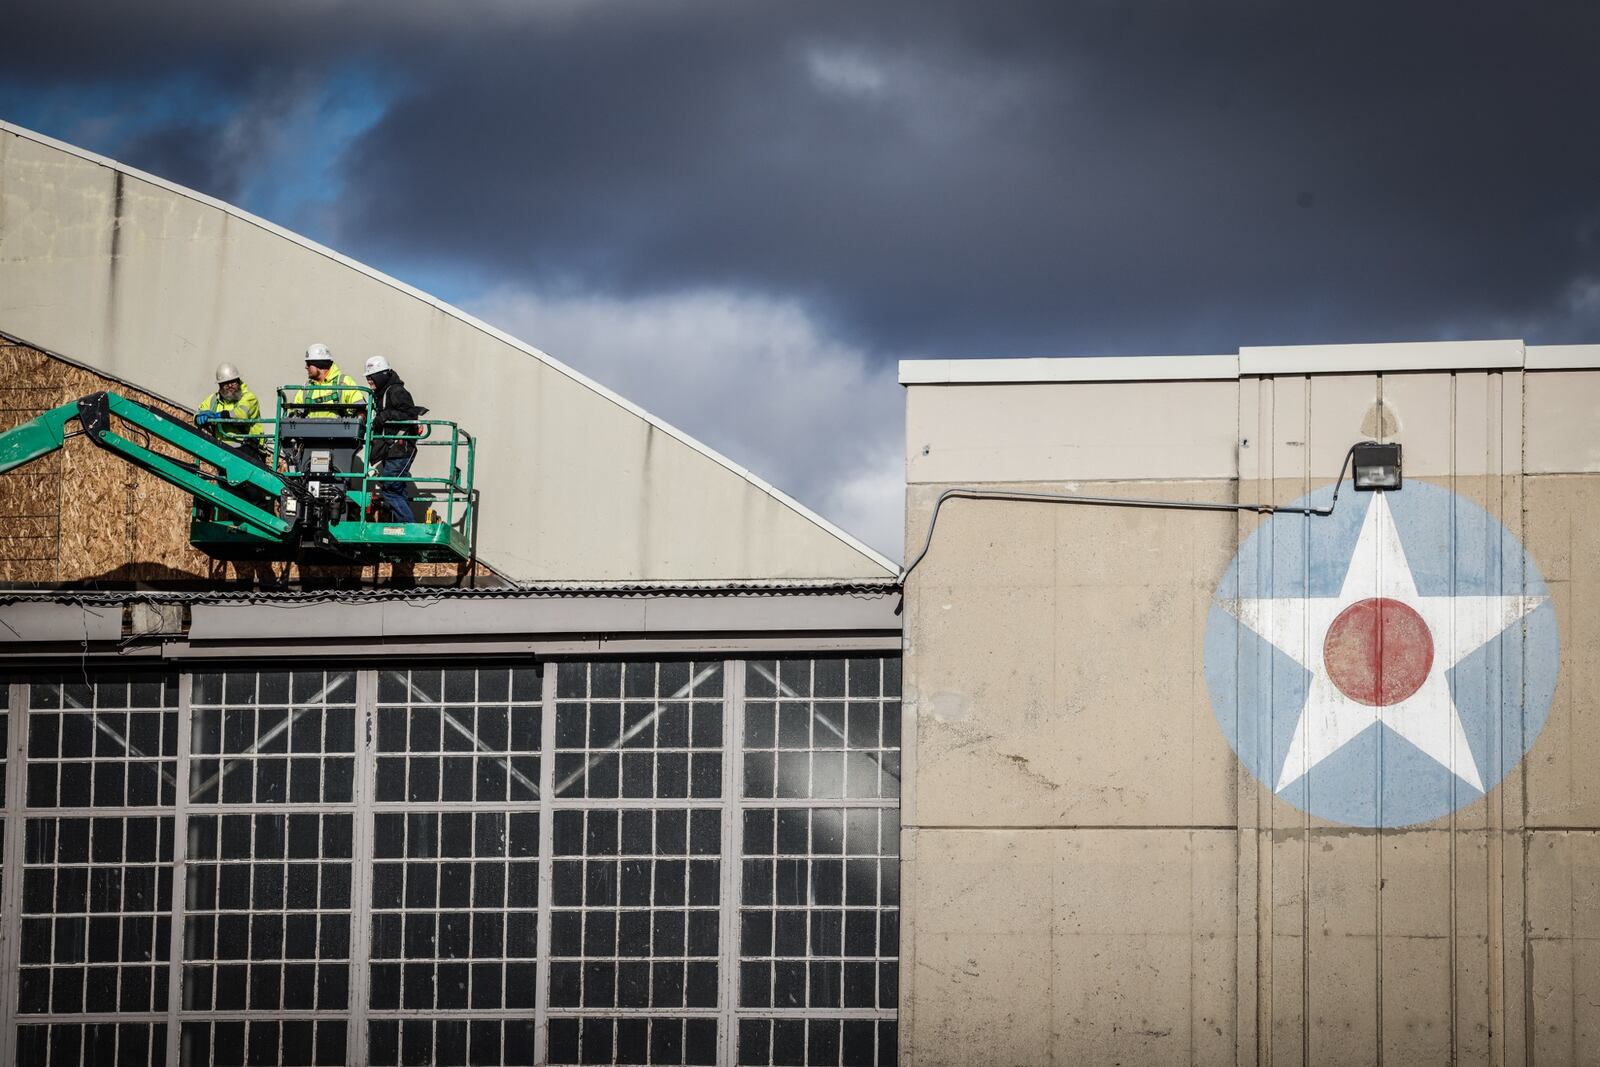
x,y
81,625
591,645
543,617
428,594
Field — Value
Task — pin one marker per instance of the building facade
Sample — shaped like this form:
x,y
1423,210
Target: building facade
x,y
648,827
1207,756
633,798
1202,785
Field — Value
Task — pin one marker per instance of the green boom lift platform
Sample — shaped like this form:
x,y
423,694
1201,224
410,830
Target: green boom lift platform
x,y
296,487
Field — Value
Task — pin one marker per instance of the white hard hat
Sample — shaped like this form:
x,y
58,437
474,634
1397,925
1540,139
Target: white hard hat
x,y
376,364
318,353
226,372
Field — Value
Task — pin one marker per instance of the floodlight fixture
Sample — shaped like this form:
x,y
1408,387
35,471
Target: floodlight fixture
x,y
1377,467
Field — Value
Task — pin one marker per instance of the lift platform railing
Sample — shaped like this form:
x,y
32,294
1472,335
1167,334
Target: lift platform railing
x,y
446,497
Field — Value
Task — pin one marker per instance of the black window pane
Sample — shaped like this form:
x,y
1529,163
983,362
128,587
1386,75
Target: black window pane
x,y
819,878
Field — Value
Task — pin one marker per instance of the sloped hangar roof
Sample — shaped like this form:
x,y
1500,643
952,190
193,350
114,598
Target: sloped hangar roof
x,y
153,283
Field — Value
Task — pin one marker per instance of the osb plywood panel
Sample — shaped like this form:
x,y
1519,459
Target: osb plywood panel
x,y
82,515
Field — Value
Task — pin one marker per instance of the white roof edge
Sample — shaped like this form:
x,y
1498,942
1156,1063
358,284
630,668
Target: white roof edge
x,y
1563,357
457,313
1257,361
1378,358
1066,369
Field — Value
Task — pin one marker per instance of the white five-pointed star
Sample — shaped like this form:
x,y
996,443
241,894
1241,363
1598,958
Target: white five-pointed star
x,y
1428,718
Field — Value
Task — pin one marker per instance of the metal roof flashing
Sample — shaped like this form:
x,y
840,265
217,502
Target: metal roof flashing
x,y
1256,361
1380,358
1066,369
221,624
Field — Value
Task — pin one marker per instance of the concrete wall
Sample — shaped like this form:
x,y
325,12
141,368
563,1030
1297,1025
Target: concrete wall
x,y
151,283
1092,875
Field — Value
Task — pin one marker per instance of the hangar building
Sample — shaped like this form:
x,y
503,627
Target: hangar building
x,y
634,797
1203,761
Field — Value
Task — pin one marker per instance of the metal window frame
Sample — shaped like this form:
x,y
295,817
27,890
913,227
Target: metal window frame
x,y
726,993
11,908
16,817
368,746
180,871
366,777
547,817
219,809
363,808
732,856
811,804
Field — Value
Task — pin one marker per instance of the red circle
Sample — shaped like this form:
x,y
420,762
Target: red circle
x,y
1378,652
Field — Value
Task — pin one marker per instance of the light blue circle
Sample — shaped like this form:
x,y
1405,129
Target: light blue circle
x,y
1502,690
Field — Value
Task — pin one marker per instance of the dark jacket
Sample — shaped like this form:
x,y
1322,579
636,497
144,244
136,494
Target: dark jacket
x,y
393,404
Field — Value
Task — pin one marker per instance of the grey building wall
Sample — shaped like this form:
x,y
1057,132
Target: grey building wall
x,y
1093,875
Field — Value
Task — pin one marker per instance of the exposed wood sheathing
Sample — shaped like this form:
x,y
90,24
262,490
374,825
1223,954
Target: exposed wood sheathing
x,y
83,516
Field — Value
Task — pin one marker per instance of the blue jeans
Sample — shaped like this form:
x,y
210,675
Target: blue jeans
x,y
393,495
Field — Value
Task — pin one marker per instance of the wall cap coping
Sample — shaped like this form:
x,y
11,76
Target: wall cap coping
x,y
1257,361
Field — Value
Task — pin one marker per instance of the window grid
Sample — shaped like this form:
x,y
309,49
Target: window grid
x,y
273,738
92,900
270,837
268,906
453,930
818,919
275,1041
464,736
308,770
648,730
90,1044
638,862
102,745
96,904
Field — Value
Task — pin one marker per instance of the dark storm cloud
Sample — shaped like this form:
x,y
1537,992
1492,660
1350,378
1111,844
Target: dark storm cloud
x,y
1036,180
950,179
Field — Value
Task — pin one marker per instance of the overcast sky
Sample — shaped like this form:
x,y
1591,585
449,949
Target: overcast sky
x,y
741,214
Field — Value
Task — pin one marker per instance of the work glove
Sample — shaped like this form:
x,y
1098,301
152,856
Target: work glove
x,y
206,418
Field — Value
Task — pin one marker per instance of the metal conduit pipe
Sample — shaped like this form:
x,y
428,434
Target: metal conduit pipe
x,y
970,493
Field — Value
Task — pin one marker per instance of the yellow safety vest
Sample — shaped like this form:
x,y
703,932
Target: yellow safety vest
x,y
331,390
247,409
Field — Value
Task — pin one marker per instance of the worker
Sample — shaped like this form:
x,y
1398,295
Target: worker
x,y
393,429
327,384
231,415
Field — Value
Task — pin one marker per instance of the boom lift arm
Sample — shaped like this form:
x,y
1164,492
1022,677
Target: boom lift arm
x,y
312,502
43,435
